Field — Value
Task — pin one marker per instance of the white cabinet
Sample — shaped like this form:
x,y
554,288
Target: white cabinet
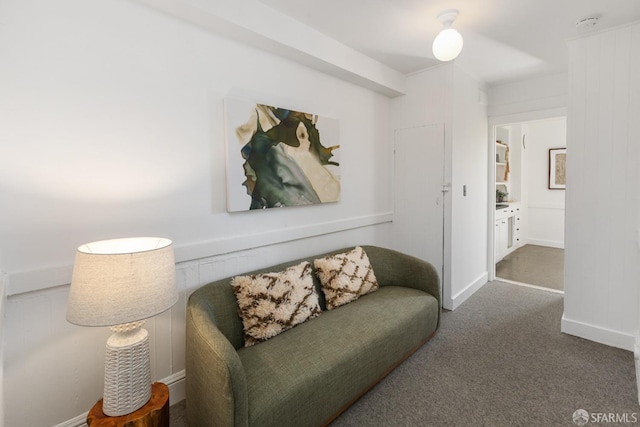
x,y
508,235
501,238
516,230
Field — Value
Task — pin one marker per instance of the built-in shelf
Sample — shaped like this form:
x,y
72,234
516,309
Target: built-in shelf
x,y
502,159
508,233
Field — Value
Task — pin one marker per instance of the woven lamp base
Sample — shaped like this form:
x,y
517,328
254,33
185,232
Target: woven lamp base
x,y
127,370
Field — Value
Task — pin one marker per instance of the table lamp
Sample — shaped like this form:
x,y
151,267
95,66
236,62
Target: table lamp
x,y
119,283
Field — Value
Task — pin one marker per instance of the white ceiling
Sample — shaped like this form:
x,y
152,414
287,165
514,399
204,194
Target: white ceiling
x,y
504,40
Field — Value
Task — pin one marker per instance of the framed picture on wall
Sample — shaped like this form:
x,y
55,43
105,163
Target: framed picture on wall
x,y
278,157
557,168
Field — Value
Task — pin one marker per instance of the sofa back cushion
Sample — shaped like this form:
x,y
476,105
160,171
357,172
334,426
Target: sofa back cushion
x,y
218,300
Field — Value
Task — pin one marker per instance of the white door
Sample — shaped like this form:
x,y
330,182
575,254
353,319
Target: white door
x,y
418,220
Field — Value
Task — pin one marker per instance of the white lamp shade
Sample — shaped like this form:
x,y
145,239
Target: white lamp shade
x,y
447,45
122,280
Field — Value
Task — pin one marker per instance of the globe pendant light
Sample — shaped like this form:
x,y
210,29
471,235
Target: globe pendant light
x,y
448,43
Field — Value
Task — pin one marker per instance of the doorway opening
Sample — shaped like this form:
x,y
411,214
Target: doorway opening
x,y
527,202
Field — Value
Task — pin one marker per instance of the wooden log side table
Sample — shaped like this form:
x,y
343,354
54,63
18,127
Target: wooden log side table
x,y
154,413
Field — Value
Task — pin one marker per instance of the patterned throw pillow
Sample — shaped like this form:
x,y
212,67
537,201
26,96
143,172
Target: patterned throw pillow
x,y
271,303
345,277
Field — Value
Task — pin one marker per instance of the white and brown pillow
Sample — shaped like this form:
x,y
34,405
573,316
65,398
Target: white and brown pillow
x,y
345,277
271,303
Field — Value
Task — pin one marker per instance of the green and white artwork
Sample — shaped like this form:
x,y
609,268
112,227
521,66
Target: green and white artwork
x,y
278,157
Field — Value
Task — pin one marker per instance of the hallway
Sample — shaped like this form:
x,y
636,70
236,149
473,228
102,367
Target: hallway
x,y
534,265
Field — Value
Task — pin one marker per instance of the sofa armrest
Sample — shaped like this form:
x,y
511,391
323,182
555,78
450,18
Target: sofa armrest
x,y
393,268
216,387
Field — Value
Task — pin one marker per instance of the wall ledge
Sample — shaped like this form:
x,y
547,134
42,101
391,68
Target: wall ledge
x,y
35,280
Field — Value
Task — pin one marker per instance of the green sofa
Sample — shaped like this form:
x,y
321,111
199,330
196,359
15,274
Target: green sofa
x,y
307,375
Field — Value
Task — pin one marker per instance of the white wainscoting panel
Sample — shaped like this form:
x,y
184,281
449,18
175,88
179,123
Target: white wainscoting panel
x,y
61,366
3,296
602,262
545,225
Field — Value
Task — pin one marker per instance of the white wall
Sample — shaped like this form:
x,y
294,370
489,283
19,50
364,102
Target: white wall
x,y
602,258
3,287
545,208
254,23
470,169
113,126
429,101
123,129
517,165
526,96
447,95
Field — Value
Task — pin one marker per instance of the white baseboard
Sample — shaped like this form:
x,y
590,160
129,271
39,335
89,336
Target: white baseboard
x,y
175,382
547,243
79,421
455,301
598,334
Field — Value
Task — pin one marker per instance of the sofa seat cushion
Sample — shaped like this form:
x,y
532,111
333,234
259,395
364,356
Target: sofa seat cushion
x,y
334,357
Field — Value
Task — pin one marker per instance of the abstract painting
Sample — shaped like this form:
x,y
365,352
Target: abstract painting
x,y
557,168
278,157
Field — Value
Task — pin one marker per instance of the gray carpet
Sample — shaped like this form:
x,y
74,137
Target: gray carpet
x,y
534,265
498,360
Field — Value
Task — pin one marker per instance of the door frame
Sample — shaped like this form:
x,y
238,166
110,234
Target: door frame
x,y
493,122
